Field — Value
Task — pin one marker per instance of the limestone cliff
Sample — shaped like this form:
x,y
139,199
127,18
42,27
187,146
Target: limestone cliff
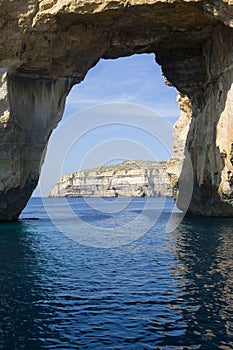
x,y
210,136
47,46
30,109
181,129
127,179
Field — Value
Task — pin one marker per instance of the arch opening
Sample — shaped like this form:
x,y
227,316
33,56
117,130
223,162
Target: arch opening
x,y
134,83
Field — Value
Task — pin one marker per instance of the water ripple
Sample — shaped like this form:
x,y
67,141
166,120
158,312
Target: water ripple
x,y
165,291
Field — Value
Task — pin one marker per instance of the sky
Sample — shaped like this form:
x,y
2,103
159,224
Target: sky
x,y
122,110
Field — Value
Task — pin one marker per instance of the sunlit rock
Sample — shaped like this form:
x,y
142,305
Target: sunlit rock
x,y
127,179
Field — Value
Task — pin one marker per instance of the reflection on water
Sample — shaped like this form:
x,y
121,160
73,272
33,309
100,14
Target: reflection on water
x,y
163,291
20,289
204,251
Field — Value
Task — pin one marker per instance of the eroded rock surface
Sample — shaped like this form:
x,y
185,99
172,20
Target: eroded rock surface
x,y
210,137
30,109
181,129
127,179
47,46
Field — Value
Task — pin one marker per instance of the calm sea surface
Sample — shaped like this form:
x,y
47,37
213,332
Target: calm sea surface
x,y
158,290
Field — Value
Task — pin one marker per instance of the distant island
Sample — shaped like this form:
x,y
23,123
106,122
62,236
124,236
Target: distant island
x,y
131,178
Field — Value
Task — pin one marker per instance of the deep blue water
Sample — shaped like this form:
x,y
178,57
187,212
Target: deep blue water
x,y
158,290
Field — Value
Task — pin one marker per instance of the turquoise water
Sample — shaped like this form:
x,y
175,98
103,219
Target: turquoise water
x,y
160,291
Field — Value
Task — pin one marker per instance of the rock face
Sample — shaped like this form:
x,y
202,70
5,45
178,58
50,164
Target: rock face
x,y
47,46
127,179
30,109
210,136
181,129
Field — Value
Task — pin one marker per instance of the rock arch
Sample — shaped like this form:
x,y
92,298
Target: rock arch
x,y
48,46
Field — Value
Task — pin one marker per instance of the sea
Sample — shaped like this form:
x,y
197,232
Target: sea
x,y
115,274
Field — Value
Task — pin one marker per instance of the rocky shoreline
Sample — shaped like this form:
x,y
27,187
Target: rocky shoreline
x,y
127,179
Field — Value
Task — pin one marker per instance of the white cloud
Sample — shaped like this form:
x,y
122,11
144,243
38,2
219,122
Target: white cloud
x,y
136,79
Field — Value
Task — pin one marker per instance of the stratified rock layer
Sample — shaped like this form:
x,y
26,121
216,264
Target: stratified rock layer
x,y
47,46
127,179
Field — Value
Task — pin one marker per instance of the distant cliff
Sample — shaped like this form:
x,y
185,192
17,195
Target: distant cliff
x,y
127,179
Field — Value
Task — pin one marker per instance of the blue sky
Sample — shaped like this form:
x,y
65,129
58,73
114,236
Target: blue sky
x,y
131,81
135,79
